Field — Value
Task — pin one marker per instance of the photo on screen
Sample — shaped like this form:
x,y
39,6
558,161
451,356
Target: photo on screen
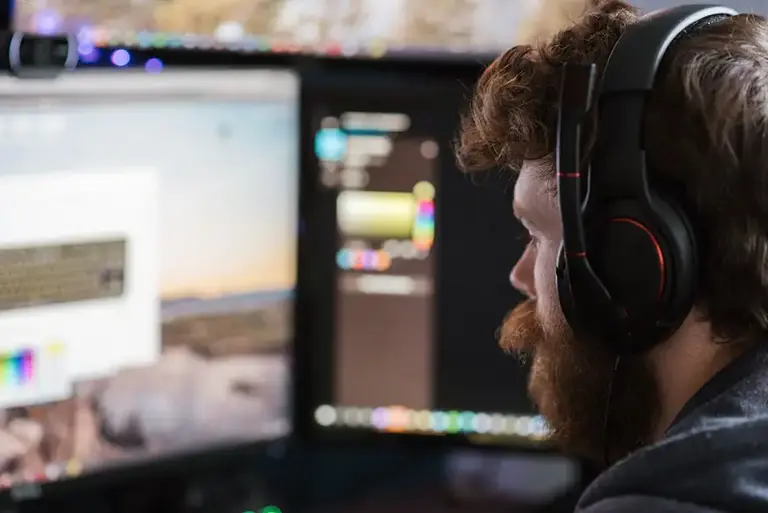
x,y
147,267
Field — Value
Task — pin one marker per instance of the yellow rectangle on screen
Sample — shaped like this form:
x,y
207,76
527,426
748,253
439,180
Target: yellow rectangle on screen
x,y
386,215
33,276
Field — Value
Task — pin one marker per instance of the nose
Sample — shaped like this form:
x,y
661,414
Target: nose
x,y
521,276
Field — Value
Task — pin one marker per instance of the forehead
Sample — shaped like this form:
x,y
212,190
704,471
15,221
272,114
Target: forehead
x,y
533,191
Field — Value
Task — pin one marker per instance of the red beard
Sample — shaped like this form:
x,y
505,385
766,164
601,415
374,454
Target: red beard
x,y
569,383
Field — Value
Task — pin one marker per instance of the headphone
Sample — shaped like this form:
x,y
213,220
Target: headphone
x,y
628,266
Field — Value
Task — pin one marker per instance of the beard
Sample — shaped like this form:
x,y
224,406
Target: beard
x,y
572,381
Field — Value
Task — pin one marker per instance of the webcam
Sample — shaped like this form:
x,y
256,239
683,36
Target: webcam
x,y
39,56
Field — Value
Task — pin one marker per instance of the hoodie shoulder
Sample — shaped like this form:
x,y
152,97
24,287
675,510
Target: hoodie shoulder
x,y
722,465
714,457
644,504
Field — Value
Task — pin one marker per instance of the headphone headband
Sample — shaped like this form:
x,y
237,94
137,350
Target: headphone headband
x,y
634,61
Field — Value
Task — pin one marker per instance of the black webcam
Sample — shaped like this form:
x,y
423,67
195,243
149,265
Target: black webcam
x,y
29,55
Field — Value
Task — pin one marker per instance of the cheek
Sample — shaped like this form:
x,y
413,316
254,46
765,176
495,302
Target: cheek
x,y
546,285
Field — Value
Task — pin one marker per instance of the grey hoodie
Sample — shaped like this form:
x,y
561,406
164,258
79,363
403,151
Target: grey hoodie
x,y
714,457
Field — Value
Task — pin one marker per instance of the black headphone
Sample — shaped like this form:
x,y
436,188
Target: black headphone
x,y
628,265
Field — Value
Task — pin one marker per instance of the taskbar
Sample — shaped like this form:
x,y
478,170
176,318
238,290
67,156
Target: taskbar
x,y
397,419
99,37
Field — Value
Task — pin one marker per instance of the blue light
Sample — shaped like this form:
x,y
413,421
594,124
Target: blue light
x,y
85,34
90,58
343,259
330,144
85,48
154,65
47,22
121,58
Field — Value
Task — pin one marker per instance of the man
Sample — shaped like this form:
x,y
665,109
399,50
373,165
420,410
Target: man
x,y
685,424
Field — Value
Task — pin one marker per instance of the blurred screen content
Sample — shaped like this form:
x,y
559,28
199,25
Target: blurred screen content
x,y
147,279
370,28
45,275
386,223
372,214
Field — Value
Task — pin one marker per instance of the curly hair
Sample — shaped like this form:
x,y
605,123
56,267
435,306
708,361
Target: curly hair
x,y
706,135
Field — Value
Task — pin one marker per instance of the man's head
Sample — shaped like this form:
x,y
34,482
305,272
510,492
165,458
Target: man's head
x,y
706,135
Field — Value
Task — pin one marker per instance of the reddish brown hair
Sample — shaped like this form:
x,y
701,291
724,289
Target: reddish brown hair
x,y
706,135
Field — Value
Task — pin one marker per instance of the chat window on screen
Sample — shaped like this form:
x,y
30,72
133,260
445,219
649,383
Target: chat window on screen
x,y
385,212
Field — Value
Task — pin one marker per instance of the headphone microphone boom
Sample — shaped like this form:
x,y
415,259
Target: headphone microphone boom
x,y
628,266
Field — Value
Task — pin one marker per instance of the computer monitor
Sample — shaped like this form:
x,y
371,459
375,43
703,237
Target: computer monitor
x,y
411,279
147,267
361,28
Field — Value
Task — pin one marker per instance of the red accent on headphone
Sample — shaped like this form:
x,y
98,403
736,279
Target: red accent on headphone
x,y
656,245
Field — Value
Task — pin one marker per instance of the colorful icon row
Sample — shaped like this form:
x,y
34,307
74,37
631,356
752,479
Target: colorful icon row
x,y
363,260
396,419
227,36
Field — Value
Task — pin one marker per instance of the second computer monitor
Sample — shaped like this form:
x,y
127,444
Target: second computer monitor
x,y
404,341
146,266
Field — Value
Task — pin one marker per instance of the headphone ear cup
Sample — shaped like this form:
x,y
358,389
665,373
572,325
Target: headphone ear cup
x,y
646,260
629,258
681,261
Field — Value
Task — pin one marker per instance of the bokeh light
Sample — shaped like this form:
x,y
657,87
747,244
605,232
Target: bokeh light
x,y
121,57
153,65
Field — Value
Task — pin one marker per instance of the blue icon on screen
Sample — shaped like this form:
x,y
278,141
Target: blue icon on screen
x,y
539,427
330,144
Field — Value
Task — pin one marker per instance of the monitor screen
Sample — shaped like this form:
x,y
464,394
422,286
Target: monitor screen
x,y
406,341
367,28
147,266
